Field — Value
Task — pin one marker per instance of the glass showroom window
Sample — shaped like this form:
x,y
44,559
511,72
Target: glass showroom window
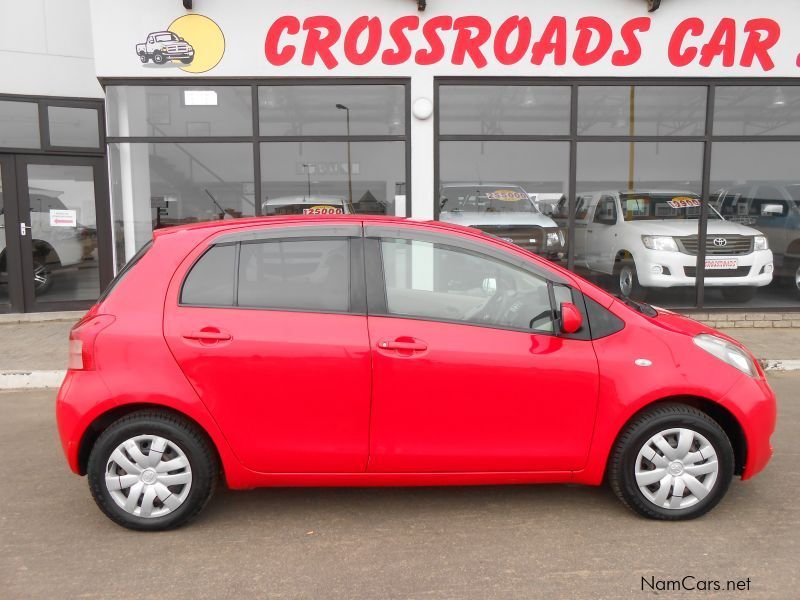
x,y
19,124
159,185
318,178
756,186
637,216
510,189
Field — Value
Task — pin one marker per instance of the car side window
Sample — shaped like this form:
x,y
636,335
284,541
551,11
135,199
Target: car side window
x,y
150,40
211,280
606,211
581,208
311,275
445,283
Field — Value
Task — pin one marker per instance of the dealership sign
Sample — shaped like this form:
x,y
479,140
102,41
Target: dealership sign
x,y
252,38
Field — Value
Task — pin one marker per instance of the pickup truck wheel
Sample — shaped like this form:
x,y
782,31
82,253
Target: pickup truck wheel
x,y
628,280
143,57
159,58
738,294
42,276
796,281
187,61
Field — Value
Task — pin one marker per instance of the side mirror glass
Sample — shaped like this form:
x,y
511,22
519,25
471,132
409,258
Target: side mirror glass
x,y
571,318
489,286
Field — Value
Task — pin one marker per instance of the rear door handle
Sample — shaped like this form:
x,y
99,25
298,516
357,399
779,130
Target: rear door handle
x,y
415,346
207,335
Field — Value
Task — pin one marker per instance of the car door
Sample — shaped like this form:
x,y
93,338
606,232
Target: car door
x,y
601,235
269,327
581,225
461,381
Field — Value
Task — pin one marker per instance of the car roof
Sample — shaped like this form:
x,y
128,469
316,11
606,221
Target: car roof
x,y
641,191
160,32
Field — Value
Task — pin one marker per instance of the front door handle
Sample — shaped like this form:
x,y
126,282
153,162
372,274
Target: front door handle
x,y
208,335
403,345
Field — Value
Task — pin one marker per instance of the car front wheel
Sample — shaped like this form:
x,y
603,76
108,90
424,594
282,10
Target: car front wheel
x,y
152,470
159,58
673,462
628,281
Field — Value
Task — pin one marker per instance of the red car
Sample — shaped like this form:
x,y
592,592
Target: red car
x,y
371,351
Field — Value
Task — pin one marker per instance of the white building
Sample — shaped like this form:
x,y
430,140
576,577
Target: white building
x,y
117,118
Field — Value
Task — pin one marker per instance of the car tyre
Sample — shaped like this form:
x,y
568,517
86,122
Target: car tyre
x,y
704,466
795,282
143,57
739,294
628,280
159,58
164,459
187,61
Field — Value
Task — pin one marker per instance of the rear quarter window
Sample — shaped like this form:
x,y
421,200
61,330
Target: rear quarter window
x,y
211,280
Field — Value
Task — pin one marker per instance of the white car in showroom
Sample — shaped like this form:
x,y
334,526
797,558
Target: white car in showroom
x,y
503,210
648,239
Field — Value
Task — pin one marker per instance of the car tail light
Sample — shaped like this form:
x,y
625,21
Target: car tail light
x,y
82,338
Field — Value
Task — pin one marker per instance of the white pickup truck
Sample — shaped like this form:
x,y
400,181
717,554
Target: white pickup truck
x,y
162,46
504,210
648,239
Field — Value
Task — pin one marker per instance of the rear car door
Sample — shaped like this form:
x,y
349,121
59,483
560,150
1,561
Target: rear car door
x,y
269,327
461,380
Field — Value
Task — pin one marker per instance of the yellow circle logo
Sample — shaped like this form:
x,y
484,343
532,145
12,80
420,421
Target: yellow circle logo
x,y
206,40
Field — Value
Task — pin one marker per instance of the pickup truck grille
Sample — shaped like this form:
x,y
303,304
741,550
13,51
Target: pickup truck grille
x,y
733,245
530,237
738,272
176,48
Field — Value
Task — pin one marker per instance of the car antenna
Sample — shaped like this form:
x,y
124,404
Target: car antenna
x,y
221,210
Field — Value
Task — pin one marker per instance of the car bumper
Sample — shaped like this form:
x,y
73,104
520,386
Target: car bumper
x,y
179,55
753,404
661,269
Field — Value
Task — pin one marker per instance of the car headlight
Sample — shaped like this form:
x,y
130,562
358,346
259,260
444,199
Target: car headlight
x,y
726,352
555,238
760,243
660,242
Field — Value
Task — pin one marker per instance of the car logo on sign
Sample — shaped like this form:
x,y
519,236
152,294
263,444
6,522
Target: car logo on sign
x,y
720,242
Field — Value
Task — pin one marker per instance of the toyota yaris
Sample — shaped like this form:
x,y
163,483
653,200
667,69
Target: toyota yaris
x,y
370,351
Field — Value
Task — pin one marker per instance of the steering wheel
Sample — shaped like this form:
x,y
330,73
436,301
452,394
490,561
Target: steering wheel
x,y
496,306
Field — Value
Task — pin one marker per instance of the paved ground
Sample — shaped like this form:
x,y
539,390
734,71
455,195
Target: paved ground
x,y
492,542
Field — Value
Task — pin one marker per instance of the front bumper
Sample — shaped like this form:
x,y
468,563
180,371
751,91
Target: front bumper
x,y
178,55
662,269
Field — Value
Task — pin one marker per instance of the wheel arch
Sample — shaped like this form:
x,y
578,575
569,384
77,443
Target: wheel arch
x,y
723,417
44,248
105,419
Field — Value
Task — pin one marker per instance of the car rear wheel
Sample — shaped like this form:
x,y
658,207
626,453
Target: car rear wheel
x,y
673,462
152,470
628,281
143,57
739,294
42,276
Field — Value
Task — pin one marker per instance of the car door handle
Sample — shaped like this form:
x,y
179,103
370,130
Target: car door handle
x,y
208,335
415,346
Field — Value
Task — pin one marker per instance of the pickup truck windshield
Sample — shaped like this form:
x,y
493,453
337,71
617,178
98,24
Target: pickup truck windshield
x,y
650,207
486,199
167,37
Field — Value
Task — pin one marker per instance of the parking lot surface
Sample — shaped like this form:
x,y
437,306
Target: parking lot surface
x,y
482,542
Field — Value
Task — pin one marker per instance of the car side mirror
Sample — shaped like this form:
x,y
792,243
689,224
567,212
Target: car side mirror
x,y
571,318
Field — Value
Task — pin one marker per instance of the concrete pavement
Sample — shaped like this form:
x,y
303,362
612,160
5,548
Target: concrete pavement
x,y
555,541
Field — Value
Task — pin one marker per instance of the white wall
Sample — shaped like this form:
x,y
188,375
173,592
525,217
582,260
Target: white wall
x,y
46,48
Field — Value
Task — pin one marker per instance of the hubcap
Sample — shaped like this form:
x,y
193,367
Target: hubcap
x,y
40,275
626,281
148,476
797,278
676,468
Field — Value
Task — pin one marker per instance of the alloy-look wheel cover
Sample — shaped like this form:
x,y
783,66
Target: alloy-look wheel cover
x,y
626,280
148,476
797,278
676,468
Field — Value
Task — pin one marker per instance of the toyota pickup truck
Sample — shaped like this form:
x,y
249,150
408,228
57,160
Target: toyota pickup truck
x,y
503,210
162,46
773,209
648,239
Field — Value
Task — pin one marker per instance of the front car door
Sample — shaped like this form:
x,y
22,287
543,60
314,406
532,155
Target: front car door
x,y
269,327
602,235
469,374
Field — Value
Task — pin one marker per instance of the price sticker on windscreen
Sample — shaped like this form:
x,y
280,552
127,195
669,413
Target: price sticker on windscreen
x,y
506,195
63,218
684,202
323,210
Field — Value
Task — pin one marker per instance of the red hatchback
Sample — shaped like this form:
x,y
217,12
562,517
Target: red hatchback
x,y
359,351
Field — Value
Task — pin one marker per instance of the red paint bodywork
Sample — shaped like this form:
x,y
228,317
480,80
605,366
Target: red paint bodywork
x,y
308,399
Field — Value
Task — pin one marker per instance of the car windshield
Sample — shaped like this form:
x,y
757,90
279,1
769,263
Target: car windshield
x,y
303,209
167,37
486,199
649,207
